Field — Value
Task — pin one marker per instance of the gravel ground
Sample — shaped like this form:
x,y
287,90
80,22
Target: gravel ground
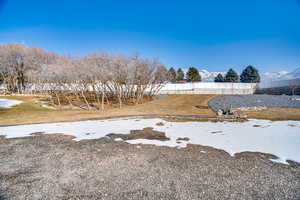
x,y
56,167
224,102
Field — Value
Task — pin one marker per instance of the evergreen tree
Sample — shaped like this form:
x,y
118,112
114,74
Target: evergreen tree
x,y
193,75
172,75
219,78
161,74
250,75
180,75
232,76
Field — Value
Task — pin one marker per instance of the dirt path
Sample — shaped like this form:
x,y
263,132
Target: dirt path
x,y
56,167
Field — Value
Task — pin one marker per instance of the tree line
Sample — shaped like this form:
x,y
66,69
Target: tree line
x,y
89,82
93,81
192,75
249,75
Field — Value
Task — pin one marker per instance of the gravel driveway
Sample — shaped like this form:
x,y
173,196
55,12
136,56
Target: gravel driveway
x,y
56,167
224,102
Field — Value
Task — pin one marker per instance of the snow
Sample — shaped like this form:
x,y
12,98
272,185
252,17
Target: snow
x,y
267,76
91,129
280,76
118,139
206,76
292,75
8,103
280,138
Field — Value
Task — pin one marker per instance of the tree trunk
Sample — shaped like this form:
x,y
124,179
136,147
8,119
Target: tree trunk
x,y
58,100
85,100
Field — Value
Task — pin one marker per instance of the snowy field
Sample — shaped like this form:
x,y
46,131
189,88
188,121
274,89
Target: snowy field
x,y
280,138
8,103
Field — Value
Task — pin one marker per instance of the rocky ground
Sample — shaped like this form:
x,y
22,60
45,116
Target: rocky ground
x,y
223,102
57,167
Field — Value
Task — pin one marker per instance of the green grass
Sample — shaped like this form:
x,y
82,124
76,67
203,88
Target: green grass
x,y
27,107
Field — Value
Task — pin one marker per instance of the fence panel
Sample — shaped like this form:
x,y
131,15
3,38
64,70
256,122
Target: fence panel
x,y
208,88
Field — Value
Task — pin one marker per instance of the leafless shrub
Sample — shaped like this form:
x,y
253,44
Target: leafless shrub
x,y
95,80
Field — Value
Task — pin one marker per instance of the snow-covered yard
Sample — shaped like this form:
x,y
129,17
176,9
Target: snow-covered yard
x,y
280,138
8,103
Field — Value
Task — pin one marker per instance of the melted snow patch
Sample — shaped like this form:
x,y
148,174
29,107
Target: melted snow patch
x,y
278,138
8,103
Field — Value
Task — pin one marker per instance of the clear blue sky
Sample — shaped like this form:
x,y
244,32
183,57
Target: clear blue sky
x,y
208,34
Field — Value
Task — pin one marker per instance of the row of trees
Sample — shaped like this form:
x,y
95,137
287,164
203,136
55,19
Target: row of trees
x,y
192,75
87,82
249,75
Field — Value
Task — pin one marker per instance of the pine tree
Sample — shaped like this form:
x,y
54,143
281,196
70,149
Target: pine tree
x,y
250,75
219,78
231,76
193,75
180,75
161,74
172,75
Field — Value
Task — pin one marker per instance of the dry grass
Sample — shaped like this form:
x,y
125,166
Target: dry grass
x,y
31,112
275,114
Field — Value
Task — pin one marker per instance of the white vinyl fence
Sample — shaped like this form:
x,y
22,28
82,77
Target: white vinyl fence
x,y
208,88
180,88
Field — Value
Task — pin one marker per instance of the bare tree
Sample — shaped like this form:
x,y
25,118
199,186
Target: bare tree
x,y
83,82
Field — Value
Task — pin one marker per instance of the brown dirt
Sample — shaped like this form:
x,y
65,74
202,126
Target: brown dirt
x,y
146,133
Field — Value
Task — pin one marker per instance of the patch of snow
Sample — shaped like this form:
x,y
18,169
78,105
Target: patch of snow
x,y
80,129
277,138
278,160
118,139
8,103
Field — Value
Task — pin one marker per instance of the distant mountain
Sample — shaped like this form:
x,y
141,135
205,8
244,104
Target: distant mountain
x,y
282,75
271,76
209,76
206,75
265,77
292,75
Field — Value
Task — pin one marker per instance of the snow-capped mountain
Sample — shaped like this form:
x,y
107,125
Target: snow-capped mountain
x,y
265,77
273,75
206,76
209,76
292,75
282,75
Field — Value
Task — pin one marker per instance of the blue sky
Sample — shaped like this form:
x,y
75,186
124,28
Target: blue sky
x,y
209,34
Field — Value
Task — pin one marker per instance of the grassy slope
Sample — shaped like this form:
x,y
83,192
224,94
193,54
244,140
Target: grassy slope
x,y
276,114
30,112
